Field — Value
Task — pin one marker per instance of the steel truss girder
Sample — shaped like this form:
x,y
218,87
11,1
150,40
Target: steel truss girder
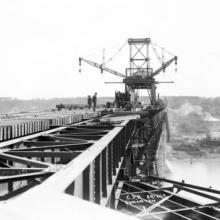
x,y
61,154
46,145
105,158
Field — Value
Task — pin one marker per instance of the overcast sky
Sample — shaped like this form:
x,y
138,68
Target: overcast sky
x,y
40,43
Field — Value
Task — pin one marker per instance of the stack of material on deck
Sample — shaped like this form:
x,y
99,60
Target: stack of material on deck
x,y
15,126
20,127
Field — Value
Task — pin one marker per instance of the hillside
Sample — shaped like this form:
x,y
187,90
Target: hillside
x,y
191,122
211,105
11,105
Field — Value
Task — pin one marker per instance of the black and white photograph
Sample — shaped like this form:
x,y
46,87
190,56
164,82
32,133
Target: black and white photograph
x,y
110,109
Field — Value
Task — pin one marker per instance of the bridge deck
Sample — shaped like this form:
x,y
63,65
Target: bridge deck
x,y
86,160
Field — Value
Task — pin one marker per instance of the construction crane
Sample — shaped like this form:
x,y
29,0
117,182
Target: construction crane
x,y
139,75
100,66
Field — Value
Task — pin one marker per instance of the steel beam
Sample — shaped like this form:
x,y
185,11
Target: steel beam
x,y
185,184
70,140
182,209
24,160
97,180
86,183
110,161
61,154
79,129
25,177
104,173
97,127
81,136
50,143
72,147
17,171
197,193
86,132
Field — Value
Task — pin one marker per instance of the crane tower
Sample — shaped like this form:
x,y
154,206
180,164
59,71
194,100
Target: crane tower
x,y
139,75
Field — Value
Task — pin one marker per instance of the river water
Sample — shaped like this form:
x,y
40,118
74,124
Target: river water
x,y
202,172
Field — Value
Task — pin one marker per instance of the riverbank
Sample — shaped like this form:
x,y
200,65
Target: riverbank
x,y
196,148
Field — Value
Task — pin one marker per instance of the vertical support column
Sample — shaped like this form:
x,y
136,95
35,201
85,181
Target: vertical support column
x,y
53,158
10,183
120,145
114,157
110,163
97,180
112,200
117,150
86,183
42,158
28,166
126,132
104,173
123,145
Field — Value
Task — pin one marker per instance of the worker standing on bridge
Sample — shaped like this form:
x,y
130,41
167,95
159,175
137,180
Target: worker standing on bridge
x,y
94,100
89,101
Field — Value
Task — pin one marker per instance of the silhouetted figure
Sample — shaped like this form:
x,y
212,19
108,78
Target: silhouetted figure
x,y
94,100
89,101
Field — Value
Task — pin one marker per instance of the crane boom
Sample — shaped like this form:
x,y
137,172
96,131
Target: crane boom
x,y
101,67
164,66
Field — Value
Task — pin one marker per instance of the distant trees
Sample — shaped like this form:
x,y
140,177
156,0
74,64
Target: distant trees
x,y
10,105
191,124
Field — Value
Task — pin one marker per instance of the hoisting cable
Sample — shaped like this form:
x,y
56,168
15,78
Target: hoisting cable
x,y
116,53
162,48
100,51
104,62
157,54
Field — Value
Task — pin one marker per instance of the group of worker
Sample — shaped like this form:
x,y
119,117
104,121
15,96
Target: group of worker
x,y
92,101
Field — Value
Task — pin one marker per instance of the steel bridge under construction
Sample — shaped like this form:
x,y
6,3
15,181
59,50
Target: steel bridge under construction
x,y
106,158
